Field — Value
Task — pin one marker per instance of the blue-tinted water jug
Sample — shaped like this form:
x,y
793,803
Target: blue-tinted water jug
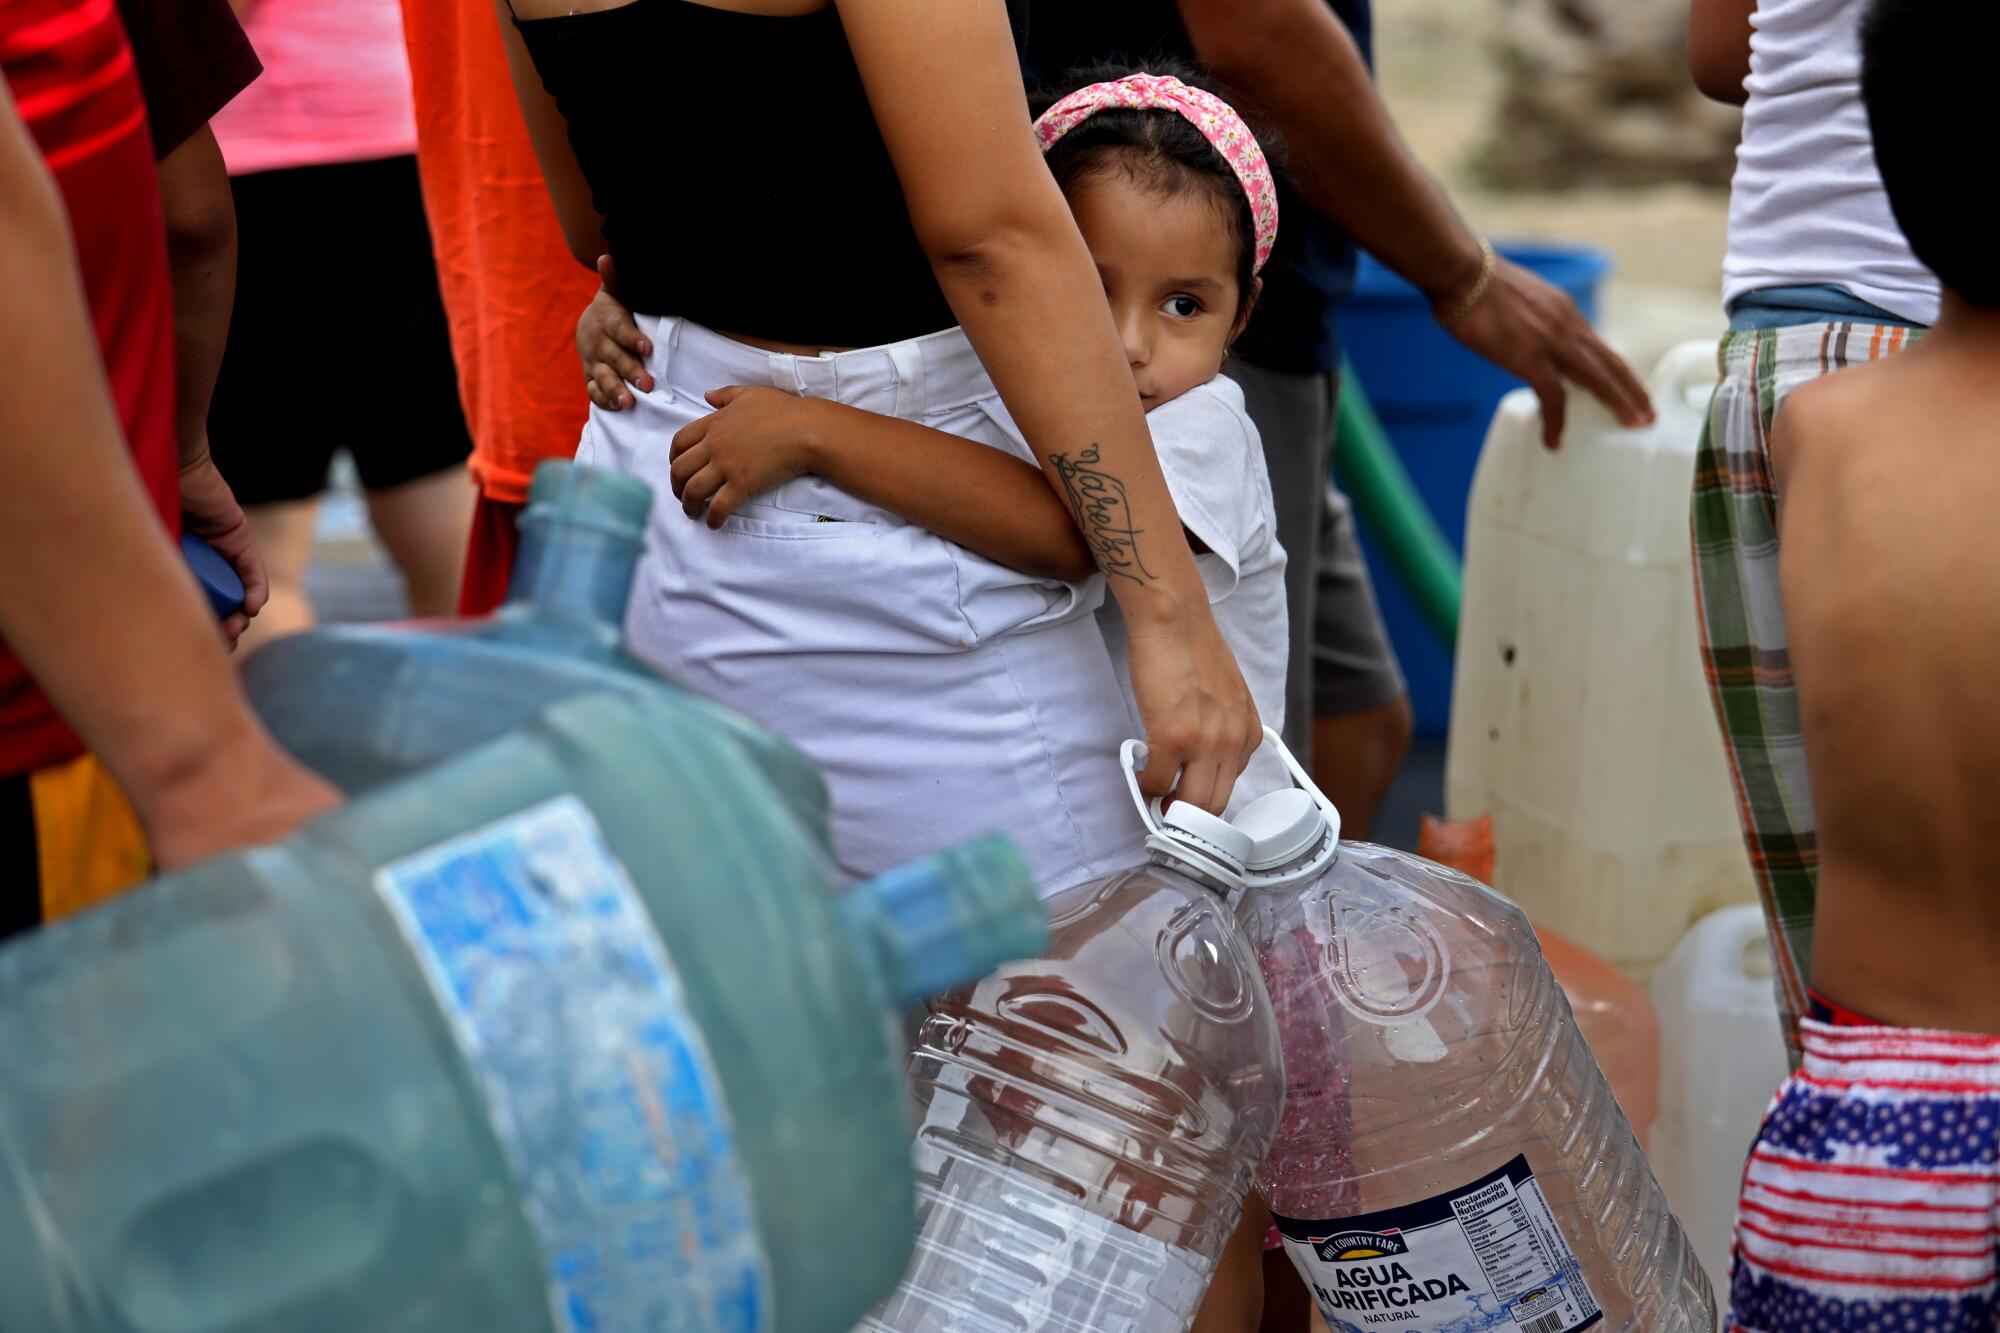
x,y
359,704
567,1034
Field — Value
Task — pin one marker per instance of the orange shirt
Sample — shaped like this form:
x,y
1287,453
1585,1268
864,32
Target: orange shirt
x,y
512,291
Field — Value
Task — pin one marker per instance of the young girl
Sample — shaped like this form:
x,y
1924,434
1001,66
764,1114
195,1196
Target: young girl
x,y
1176,203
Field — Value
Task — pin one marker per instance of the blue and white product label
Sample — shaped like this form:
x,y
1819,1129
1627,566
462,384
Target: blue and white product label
x,y
569,1012
1485,1256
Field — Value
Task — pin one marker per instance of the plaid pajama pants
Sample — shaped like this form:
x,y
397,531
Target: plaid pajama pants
x,y
1735,532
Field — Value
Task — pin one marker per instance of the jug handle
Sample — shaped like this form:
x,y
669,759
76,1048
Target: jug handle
x,y
1687,369
1132,755
1131,758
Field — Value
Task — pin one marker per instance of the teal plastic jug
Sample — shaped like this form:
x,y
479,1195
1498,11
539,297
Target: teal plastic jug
x,y
566,1034
360,704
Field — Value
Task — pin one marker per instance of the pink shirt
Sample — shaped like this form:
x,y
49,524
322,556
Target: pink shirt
x,y
336,87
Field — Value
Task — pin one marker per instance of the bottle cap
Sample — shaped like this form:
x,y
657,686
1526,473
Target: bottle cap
x,y
1216,834
949,918
1282,826
215,574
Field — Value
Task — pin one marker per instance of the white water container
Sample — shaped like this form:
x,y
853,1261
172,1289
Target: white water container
x,y
1722,1056
1580,717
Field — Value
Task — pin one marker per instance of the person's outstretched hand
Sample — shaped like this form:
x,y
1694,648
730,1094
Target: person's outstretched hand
x,y
610,345
1200,721
1529,327
209,511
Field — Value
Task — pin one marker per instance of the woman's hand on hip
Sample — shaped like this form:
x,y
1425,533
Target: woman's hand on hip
x,y
757,438
1201,723
611,347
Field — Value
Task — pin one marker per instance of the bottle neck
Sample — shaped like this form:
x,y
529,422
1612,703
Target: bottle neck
x,y
572,578
1195,868
1222,876
1303,868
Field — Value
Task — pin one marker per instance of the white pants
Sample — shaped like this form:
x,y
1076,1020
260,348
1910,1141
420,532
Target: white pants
x,y
941,694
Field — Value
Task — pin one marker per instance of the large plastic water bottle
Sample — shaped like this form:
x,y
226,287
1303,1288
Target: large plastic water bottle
x,y
360,704
1088,1120
1610,1009
568,1034
1617,1019
1451,1157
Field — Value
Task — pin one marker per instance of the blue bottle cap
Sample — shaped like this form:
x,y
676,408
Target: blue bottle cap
x,y
950,918
215,574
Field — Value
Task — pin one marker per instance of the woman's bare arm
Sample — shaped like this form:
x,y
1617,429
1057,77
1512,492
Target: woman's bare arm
x,y
946,91
1297,61
582,224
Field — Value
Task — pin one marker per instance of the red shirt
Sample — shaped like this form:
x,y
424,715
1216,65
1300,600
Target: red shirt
x,y
68,66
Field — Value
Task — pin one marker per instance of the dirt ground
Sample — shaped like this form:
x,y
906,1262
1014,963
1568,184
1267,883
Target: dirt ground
x,y
1437,71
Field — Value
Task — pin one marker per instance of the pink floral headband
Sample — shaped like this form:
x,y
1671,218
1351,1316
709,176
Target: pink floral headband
x,y
1215,118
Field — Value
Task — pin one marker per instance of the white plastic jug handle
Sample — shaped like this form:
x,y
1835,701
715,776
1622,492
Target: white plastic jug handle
x,y
1737,958
1305,781
1688,373
1753,953
1132,757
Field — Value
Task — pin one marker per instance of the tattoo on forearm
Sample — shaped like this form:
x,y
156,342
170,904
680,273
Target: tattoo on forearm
x,y
1103,514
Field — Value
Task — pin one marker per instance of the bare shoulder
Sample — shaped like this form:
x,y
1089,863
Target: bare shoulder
x,y
1832,418
1886,470
1843,453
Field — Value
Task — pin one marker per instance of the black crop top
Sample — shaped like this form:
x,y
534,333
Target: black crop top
x,y
739,171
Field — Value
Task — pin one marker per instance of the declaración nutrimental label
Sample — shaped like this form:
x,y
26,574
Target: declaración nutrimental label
x,y
1486,1256
570,1016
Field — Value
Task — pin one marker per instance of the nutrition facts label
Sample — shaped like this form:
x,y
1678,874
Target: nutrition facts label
x,y
1485,1256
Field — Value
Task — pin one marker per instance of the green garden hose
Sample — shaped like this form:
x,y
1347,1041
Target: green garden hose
x,y
1374,478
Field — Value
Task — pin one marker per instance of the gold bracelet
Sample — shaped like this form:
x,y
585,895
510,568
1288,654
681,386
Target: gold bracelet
x,y
1489,264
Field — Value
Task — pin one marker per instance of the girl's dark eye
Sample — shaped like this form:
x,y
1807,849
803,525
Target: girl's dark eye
x,y
1186,307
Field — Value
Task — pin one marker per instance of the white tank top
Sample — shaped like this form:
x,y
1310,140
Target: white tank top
x,y
1807,204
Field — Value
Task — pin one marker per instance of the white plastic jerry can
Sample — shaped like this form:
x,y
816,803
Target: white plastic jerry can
x,y
1722,1056
1580,717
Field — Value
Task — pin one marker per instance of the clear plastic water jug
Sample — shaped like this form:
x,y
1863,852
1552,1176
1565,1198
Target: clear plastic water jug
x,y
1612,1012
566,1034
360,704
1617,1019
1088,1120
1722,1058
1451,1157
1580,716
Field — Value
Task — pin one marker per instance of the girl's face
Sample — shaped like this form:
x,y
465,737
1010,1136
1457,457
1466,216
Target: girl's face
x,y
1169,269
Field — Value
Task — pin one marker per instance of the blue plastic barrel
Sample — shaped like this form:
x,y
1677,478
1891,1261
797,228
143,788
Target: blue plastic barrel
x,y
1435,399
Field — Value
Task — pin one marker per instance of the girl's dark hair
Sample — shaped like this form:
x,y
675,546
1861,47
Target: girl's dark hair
x,y
1158,150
